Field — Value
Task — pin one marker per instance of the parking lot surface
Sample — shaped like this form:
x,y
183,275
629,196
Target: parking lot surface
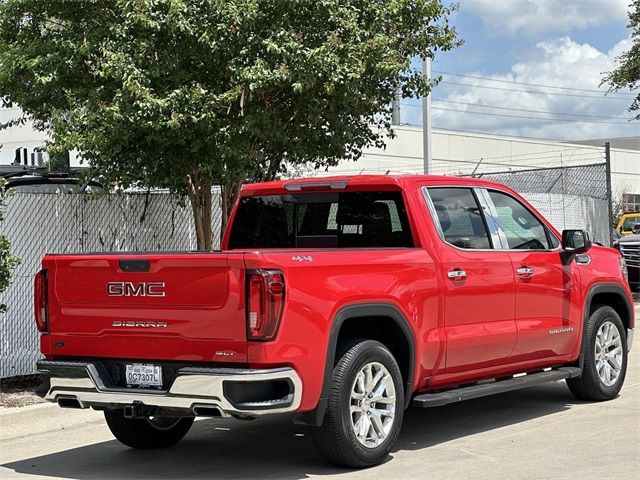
x,y
535,433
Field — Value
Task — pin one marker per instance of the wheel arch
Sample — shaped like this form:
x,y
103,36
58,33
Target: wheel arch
x,y
342,322
612,295
609,294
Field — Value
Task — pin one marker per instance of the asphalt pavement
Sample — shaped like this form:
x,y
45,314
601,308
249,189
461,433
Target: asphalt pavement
x,y
536,433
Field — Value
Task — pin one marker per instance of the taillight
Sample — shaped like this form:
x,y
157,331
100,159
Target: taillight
x,y
265,304
41,302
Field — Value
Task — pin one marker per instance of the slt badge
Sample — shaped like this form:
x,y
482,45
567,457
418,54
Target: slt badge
x,y
302,258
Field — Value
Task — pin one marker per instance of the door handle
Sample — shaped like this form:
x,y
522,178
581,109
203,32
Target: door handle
x,y
524,271
457,274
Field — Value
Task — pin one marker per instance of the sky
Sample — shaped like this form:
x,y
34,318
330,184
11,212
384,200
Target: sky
x,y
532,59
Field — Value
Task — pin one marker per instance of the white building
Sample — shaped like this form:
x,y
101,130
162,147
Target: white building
x,y
456,152
23,137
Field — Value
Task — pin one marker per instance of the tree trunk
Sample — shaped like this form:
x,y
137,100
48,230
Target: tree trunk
x,y
199,192
272,170
230,193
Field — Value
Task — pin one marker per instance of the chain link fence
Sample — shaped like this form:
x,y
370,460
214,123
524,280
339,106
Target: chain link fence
x,y
575,196
75,223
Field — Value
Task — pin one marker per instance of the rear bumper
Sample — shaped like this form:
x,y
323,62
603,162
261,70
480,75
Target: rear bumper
x,y
229,391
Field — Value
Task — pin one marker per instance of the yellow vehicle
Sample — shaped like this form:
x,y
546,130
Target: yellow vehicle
x,y
627,222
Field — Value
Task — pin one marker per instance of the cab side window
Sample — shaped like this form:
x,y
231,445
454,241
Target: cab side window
x,y
460,218
522,229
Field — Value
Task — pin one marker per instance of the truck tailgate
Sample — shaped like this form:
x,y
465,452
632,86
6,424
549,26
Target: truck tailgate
x,y
172,307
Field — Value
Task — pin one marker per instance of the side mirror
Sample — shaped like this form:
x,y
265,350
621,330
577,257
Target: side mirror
x,y
636,229
575,241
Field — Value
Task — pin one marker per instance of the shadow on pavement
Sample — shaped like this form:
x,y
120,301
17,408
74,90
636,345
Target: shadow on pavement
x,y
275,448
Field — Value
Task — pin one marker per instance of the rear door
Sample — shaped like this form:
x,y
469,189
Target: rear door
x,y
479,283
547,291
183,306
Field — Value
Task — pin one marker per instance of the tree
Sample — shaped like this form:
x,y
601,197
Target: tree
x,y
627,75
617,205
7,261
181,93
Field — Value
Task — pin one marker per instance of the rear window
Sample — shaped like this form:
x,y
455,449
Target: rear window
x,y
322,220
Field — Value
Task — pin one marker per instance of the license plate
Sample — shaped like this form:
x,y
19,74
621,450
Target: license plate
x,y
143,375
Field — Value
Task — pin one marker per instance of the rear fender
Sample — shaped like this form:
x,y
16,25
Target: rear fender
x,y
315,417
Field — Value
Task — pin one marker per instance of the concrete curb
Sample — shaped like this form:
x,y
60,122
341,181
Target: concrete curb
x,y
7,411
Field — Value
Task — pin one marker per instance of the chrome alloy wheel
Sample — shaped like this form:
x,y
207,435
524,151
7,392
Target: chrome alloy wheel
x,y
373,404
608,354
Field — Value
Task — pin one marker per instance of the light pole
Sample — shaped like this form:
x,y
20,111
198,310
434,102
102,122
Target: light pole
x,y
426,119
395,108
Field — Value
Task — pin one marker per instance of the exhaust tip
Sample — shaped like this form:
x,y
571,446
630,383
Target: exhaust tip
x,y
69,402
207,411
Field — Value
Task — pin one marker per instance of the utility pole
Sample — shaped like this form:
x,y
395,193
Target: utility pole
x,y
607,159
426,119
395,108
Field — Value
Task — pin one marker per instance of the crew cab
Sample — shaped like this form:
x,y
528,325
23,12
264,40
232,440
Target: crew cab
x,y
343,301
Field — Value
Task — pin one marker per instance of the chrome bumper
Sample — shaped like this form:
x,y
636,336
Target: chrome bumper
x,y
79,384
629,339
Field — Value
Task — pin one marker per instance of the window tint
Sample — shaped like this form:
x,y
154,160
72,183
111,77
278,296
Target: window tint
x,y
461,221
316,220
522,229
630,222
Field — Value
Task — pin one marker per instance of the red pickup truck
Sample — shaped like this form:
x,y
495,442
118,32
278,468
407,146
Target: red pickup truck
x,y
343,300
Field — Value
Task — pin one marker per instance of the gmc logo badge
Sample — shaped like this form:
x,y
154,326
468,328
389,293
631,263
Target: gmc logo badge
x,y
130,289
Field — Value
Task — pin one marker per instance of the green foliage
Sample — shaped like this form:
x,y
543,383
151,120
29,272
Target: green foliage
x,y
154,91
618,204
7,261
58,162
627,75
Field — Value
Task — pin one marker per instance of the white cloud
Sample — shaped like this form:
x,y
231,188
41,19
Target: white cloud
x,y
545,16
619,48
560,63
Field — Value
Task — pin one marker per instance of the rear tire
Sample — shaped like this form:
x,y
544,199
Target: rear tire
x,y
605,357
147,433
365,410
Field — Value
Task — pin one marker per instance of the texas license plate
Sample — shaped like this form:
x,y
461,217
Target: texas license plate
x,y
144,375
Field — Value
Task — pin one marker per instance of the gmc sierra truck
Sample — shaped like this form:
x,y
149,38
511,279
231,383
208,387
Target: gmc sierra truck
x,y
342,300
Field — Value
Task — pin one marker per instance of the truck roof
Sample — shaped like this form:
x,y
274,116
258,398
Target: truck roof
x,y
338,182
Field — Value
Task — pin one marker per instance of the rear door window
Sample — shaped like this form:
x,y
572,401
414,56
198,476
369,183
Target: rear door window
x,y
322,220
460,219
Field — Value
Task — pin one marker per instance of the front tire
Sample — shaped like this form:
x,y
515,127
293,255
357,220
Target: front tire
x,y
365,410
605,357
147,433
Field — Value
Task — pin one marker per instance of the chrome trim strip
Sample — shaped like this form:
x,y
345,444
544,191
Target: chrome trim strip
x,y
192,386
498,238
629,339
433,213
